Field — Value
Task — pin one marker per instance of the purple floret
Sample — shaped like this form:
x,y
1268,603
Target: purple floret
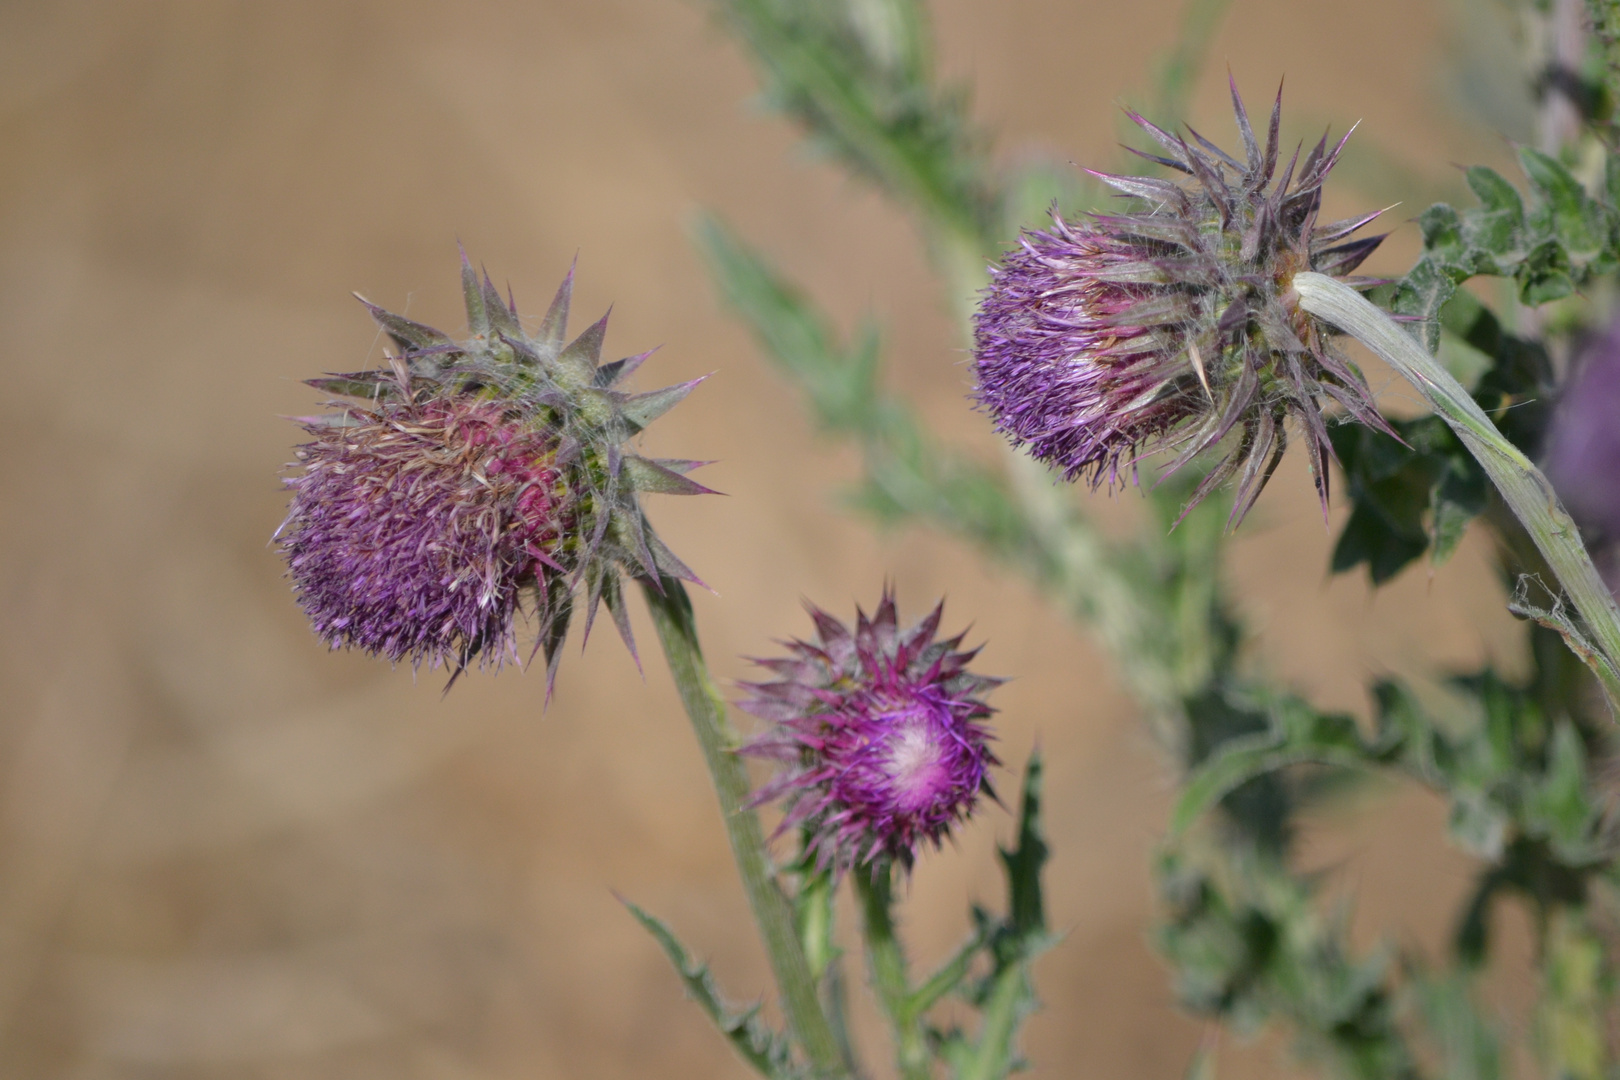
x,y
1583,443
1059,371
414,529
880,735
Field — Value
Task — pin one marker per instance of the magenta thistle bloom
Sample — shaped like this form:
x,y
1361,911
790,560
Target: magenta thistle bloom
x,y
473,481
1583,440
1176,324
879,733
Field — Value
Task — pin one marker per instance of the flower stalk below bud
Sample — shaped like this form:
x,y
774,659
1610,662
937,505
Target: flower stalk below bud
x,y
671,611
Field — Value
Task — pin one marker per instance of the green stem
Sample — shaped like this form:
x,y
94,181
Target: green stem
x,y
1526,492
889,972
992,1058
672,614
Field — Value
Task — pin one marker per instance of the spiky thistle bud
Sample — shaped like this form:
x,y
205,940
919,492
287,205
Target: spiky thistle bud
x,y
879,735
470,481
1175,325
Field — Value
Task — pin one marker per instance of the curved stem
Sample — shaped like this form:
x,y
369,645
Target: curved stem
x,y
1523,487
677,631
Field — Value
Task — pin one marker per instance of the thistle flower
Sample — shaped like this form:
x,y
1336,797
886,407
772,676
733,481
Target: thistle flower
x,y
879,734
1176,324
1583,440
470,481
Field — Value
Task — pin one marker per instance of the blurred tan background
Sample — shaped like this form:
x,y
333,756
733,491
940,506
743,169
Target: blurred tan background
x,y
227,853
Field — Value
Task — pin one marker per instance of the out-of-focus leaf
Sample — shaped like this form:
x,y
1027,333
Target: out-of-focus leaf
x,y
908,474
1577,221
766,1050
1005,996
859,77
1465,1040
1298,735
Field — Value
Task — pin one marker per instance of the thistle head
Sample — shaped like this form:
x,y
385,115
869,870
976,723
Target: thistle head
x,y
1175,325
468,482
879,735
1582,453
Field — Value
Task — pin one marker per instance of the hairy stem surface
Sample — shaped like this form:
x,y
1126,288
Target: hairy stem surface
x,y
888,962
671,611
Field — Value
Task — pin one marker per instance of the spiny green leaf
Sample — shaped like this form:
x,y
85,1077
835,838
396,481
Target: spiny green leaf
x,y
1442,232
781,317
1461,495
1298,734
907,473
755,1042
1545,274
1423,292
1579,222
859,78
1558,806
1498,226
946,978
1004,996
1026,911
1242,760
1368,538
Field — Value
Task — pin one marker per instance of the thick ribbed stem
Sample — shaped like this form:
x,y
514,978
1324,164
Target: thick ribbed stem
x,y
671,611
1524,489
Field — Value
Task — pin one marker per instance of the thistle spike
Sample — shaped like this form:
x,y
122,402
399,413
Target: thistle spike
x,y
643,409
581,354
473,295
554,327
1251,148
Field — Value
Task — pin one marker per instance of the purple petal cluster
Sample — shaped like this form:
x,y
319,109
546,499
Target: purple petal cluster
x,y
1175,325
879,734
1583,442
1062,364
414,527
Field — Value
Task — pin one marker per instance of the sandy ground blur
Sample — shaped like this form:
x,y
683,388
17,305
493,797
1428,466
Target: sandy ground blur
x,y
225,852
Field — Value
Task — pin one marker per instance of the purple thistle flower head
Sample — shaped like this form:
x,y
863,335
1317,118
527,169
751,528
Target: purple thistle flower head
x,y
1176,325
879,733
473,481
1583,440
